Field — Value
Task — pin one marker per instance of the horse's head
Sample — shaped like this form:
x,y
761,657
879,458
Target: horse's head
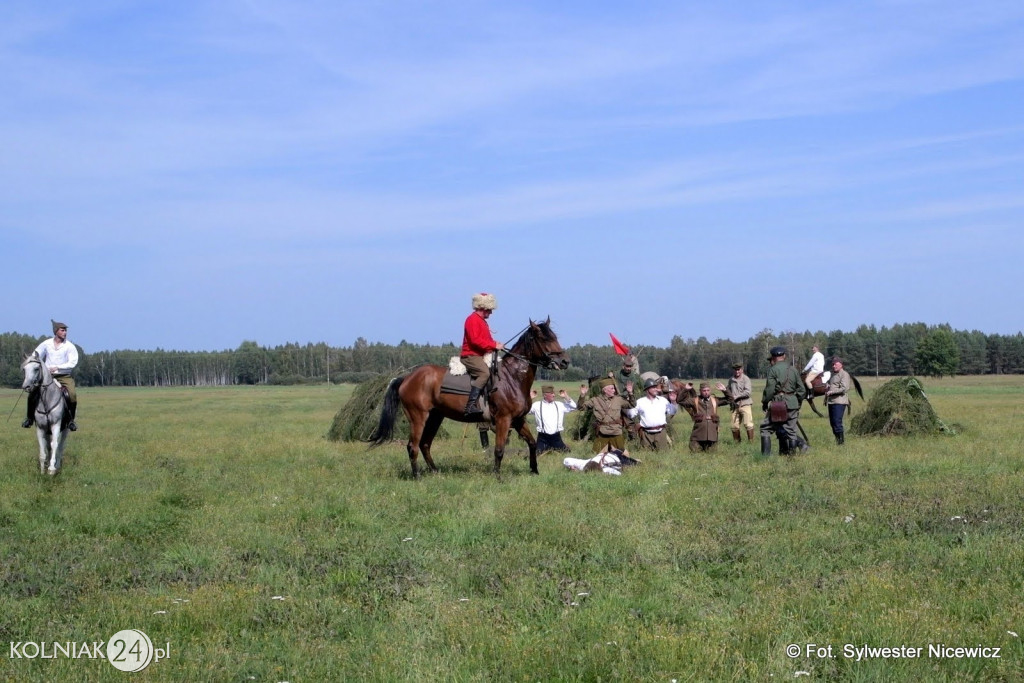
x,y
541,346
32,366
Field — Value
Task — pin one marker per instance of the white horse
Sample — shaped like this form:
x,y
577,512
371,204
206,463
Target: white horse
x,y
49,416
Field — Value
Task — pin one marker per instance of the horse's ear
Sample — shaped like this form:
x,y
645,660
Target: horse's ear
x,y
548,321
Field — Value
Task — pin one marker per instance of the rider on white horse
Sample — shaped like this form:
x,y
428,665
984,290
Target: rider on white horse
x,y
60,357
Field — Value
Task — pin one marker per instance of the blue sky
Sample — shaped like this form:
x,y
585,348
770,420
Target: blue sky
x,y
190,175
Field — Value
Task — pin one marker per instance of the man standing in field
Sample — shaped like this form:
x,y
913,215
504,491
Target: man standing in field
x,y
784,392
653,409
60,357
476,343
815,366
703,408
549,416
837,398
739,392
609,410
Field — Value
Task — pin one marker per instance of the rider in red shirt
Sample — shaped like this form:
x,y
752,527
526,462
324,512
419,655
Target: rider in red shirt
x,y
477,342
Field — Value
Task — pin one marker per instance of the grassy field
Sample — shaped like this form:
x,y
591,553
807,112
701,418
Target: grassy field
x,y
221,523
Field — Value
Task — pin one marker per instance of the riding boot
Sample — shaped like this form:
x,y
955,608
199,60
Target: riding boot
x,y
766,446
736,436
73,407
840,439
784,448
33,401
484,441
750,433
471,404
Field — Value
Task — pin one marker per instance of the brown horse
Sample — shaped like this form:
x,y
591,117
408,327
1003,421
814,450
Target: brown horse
x,y
819,388
509,399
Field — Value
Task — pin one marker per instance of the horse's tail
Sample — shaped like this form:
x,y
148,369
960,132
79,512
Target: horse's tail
x,y
856,385
388,414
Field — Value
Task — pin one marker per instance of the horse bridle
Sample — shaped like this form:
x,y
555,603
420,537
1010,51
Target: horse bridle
x,y
39,385
549,362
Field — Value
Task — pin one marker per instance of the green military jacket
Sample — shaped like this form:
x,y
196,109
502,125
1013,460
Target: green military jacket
x,y
784,380
608,412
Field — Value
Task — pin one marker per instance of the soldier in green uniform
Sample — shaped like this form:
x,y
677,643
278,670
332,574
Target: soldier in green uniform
x,y
783,385
609,409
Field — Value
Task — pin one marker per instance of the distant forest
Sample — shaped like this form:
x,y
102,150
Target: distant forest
x,y
908,349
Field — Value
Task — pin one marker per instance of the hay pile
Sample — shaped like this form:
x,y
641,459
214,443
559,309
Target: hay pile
x,y
359,416
900,407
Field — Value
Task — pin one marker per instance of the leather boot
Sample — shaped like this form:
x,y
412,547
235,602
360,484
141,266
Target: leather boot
x,y
32,401
784,448
750,433
73,407
800,447
484,441
839,439
471,404
766,446
736,436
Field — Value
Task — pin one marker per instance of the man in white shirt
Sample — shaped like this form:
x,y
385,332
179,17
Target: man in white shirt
x,y
815,366
653,410
60,357
549,416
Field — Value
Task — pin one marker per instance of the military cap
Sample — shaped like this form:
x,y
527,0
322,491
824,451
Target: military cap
x,y
57,325
547,389
606,382
705,385
778,351
737,366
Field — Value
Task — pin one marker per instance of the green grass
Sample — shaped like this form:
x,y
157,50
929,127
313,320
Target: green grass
x,y
185,512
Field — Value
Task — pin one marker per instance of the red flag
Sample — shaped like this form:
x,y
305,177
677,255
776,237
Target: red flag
x,y
620,348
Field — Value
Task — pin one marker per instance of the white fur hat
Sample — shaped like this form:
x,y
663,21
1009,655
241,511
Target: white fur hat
x,y
485,301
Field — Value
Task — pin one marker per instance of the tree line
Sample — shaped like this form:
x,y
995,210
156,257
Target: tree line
x,y
909,349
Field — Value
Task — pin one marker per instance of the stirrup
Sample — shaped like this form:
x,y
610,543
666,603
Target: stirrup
x,y
28,422
72,427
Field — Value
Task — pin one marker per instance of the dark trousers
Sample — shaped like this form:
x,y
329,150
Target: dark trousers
x,y
836,411
786,431
550,442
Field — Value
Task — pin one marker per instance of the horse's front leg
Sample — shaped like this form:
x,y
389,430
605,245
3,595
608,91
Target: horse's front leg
x,y
62,442
41,437
524,431
54,466
501,426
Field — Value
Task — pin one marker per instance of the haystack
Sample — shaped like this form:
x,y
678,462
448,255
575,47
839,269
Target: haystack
x,y
900,407
359,416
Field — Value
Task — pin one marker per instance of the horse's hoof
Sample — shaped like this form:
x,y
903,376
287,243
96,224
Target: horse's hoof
x,y
52,471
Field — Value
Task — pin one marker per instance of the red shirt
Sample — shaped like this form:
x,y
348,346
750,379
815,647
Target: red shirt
x,y
477,340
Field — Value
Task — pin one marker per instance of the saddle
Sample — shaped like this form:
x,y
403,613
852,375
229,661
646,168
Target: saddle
x,y
456,381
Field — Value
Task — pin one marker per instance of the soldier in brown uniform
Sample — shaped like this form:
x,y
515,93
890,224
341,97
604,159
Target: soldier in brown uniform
x,y
703,408
609,410
739,392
